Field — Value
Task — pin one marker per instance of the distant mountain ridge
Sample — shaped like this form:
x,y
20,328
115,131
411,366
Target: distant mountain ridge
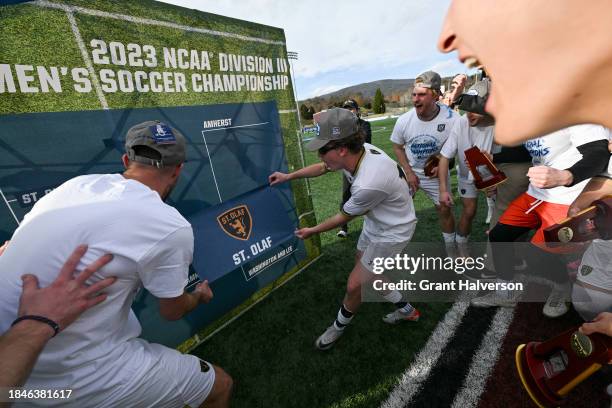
x,y
368,89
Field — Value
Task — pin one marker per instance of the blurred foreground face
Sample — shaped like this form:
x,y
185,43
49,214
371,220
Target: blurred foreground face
x,y
550,61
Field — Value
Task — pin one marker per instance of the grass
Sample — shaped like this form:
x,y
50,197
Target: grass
x,y
270,350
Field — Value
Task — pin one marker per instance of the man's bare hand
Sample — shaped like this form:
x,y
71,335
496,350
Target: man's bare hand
x,y
446,198
277,177
413,181
601,324
204,292
547,177
68,296
304,233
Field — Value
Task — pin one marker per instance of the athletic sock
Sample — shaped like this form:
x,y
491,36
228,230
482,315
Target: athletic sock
x,y
395,297
462,239
344,318
449,237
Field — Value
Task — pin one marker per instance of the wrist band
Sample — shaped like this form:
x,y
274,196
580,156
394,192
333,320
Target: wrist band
x,y
41,319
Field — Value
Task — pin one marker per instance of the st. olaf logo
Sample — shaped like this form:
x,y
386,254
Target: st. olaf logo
x,y
236,222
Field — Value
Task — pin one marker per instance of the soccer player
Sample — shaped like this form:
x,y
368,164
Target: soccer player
x,y
571,82
379,192
469,130
419,134
352,105
566,159
100,356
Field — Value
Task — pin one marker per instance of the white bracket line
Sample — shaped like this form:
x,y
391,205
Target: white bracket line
x,y
212,168
9,206
234,127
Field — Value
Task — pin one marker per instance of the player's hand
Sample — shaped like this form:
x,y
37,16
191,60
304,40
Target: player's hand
x,y
304,233
491,191
68,296
601,324
413,181
434,172
547,177
3,247
204,292
446,198
277,177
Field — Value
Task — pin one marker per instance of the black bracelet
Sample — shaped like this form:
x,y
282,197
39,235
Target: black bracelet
x,y
41,319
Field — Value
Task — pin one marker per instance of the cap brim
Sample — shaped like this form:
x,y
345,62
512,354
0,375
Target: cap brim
x,y
316,144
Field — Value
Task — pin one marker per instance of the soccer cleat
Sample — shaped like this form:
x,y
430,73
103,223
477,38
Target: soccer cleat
x,y
484,275
494,299
328,338
342,234
398,316
557,303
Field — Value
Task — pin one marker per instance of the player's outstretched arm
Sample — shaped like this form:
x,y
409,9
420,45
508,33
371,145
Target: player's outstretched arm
x,y
329,224
596,188
314,170
61,303
601,324
177,307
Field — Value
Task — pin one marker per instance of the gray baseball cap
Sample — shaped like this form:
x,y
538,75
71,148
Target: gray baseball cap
x,y
333,124
480,88
428,79
160,137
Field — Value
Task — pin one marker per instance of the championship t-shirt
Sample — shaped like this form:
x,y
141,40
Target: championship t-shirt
x,y
462,137
380,193
559,151
422,139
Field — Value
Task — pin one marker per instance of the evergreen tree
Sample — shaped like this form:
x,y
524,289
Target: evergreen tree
x,y
378,106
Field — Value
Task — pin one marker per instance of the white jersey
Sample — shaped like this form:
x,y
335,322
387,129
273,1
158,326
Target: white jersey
x,y
152,246
380,193
422,139
596,266
463,137
559,151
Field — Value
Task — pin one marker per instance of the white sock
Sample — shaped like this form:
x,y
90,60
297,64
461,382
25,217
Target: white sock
x,y
394,296
462,240
449,237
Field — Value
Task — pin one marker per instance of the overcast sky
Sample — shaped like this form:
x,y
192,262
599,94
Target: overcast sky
x,y
342,43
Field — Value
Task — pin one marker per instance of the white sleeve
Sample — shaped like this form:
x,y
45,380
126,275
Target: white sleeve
x,y
583,134
363,201
449,148
398,135
164,269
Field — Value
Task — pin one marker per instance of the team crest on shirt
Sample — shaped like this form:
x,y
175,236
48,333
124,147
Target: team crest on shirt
x,y
236,222
585,270
441,127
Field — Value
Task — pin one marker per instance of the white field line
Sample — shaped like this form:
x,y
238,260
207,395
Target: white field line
x,y
148,21
88,63
484,360
419,370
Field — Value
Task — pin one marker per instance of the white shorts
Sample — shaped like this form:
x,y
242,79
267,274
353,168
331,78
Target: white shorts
x,y
466,188
590,302
371,250
431,187
175,380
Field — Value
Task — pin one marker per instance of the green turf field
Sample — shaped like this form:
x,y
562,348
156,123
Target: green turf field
x,y
270,350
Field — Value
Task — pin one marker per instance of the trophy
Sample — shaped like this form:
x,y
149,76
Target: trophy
x,y
485,173
551,369
590,223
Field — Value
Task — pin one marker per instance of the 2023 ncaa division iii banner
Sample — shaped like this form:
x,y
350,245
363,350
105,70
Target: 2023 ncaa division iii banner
x,y
76,75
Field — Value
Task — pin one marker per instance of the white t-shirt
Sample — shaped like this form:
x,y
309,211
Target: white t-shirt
x,y
422,139
380,193
462,137
152,246
558,150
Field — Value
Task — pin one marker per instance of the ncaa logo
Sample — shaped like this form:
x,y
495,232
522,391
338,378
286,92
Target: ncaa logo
x,y
236,222
441,127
